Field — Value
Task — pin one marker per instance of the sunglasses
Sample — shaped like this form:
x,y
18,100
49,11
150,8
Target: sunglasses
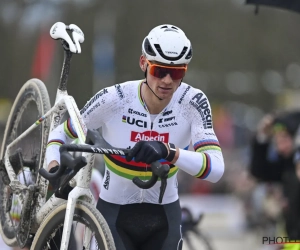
x,y
160,71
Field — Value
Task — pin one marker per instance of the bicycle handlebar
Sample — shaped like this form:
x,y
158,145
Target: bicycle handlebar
x,y
100,146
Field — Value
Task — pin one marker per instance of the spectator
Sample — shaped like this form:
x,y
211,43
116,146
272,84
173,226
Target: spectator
x,y
272,161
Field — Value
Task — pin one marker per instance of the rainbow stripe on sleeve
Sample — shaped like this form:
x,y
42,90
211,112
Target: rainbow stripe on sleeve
x,y
55,142
202,146
69,130
206,167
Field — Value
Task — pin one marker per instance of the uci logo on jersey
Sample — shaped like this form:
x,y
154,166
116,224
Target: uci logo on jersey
x,y
133,121
201,104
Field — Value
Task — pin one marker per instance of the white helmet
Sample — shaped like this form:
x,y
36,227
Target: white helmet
x,y
167,44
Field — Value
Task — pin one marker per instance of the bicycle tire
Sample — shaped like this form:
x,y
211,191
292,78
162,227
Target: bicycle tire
x,y
84,213
31,103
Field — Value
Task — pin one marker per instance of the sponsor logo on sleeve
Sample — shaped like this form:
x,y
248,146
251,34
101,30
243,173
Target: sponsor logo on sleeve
x,y
201,104
119,91
94,98
149,136
93,108
183,95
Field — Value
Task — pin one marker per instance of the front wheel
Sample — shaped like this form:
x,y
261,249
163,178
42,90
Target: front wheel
x,y
89,228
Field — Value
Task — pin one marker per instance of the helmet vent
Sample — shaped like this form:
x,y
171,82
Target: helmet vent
x,y
148,48
170,30
163,27
174,27
159,50
190,54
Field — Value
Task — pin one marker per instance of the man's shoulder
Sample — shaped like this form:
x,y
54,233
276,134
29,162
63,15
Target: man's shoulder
x,y
126,88
128,84
188,93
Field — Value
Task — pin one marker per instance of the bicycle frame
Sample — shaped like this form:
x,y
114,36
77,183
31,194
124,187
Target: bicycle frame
x,y
66,103
63,103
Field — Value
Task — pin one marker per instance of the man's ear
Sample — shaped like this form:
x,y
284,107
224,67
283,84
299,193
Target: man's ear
x,y
143,63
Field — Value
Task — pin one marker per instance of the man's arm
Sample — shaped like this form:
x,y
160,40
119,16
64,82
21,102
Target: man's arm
x,y
207,161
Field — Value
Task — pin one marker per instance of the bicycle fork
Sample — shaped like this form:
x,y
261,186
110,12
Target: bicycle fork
x,y
81,190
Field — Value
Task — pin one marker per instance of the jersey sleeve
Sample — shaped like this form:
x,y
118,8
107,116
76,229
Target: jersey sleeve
x,y
207,161
96,111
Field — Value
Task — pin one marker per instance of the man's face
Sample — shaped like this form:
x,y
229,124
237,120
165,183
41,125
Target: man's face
x,y
163,80
284,143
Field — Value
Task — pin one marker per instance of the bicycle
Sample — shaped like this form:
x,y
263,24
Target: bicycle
x,y
192,236
23,169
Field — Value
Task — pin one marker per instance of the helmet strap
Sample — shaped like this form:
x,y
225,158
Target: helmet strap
x,y
149,86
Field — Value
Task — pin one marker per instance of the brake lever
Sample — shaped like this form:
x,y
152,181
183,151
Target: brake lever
x,y
163,187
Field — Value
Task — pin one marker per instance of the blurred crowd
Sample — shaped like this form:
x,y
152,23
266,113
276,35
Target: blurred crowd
x,y
264,174
270,185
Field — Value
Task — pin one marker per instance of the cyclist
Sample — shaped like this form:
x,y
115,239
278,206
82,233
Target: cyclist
x,y
151,116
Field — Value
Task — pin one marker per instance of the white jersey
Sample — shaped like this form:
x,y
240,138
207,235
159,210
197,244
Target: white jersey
x,y
123,116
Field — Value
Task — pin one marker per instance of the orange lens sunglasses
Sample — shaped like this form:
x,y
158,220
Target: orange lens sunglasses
x,y
160,71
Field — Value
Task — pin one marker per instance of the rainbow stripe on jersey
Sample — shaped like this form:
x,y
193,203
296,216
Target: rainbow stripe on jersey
x,y
129,170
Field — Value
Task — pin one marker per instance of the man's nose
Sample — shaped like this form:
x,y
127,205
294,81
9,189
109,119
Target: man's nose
x,y
167,79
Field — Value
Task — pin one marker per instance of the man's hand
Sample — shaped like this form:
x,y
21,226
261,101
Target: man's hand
x,y
264,129
52,164
52,168
54,183
148,151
